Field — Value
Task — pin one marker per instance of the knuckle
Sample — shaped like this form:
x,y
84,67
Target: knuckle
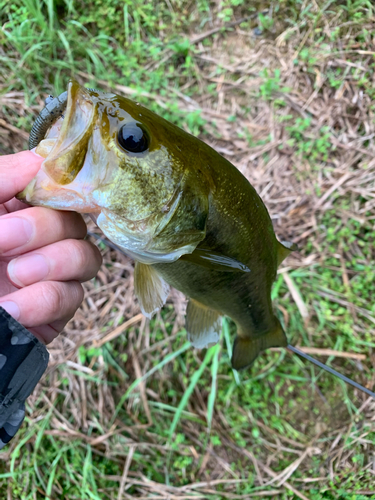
x,y
48,223
97,254
80,293
54,297
75,222
63,224
62,299
86,256
79,252
77,293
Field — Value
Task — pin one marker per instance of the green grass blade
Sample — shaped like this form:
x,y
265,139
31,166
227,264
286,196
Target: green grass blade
x,y
51,15
229,348
212,395
66,46
52,474
159,366
185,398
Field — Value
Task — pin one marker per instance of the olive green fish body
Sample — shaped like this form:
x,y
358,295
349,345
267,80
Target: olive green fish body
x,y
239,227
185,214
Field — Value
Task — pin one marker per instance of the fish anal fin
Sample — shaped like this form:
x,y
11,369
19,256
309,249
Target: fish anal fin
x,y
150,289
246,350
283,250
203,325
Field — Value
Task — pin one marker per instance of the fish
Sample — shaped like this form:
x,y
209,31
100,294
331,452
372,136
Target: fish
x,y
183,212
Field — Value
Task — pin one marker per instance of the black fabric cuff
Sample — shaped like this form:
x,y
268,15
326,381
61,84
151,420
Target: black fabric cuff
x,y
23,360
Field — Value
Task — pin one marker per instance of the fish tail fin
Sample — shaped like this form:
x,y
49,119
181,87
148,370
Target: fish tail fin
x,y
246,350
283,250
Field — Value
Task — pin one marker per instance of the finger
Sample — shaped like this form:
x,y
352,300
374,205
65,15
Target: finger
x,y
16,171
37,227
46,333
44,303
12,206
66,260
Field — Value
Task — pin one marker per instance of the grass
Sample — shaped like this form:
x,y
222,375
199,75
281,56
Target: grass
x,y
285,91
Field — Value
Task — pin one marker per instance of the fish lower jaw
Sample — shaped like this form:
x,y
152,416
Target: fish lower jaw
x,y
44,193
45,147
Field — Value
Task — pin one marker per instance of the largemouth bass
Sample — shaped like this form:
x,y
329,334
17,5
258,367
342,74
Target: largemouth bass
x,y
184,213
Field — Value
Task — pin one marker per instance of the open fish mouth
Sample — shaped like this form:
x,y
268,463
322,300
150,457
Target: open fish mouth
x,y
62,131
62,134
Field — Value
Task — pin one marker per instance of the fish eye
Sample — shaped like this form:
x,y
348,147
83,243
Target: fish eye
x,y
133,138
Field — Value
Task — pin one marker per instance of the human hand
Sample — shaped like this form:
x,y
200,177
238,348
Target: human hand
x,y
43,257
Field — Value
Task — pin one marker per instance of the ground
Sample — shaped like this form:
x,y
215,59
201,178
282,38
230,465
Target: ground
x,y
127,408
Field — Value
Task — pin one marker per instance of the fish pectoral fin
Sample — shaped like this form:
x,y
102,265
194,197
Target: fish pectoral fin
x,y
150,289
246,350
283,250
214,261
203,325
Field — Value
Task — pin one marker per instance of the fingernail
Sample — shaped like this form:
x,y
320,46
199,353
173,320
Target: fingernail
x,y
11,308
14,233
26,270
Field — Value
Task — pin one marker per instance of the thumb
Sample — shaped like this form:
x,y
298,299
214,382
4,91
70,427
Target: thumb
x,y
16,171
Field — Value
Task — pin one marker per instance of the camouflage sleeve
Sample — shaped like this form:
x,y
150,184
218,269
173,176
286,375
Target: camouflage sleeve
x,y
23,360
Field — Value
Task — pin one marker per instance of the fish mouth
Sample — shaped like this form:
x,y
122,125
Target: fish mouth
x,y
65,144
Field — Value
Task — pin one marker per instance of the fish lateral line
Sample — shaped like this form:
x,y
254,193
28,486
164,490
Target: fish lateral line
x,y
328,369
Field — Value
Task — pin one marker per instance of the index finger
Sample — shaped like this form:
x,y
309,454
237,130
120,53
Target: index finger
x,y
16,171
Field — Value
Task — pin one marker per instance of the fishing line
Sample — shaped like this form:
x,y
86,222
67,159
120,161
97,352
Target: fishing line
x,y
289,347
330,370
109,244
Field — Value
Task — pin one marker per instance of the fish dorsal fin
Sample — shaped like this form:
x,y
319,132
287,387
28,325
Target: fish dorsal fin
x,y
283,250
203,324
150,289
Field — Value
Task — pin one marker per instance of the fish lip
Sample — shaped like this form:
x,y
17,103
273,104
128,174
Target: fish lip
x,y
67,156
65,147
